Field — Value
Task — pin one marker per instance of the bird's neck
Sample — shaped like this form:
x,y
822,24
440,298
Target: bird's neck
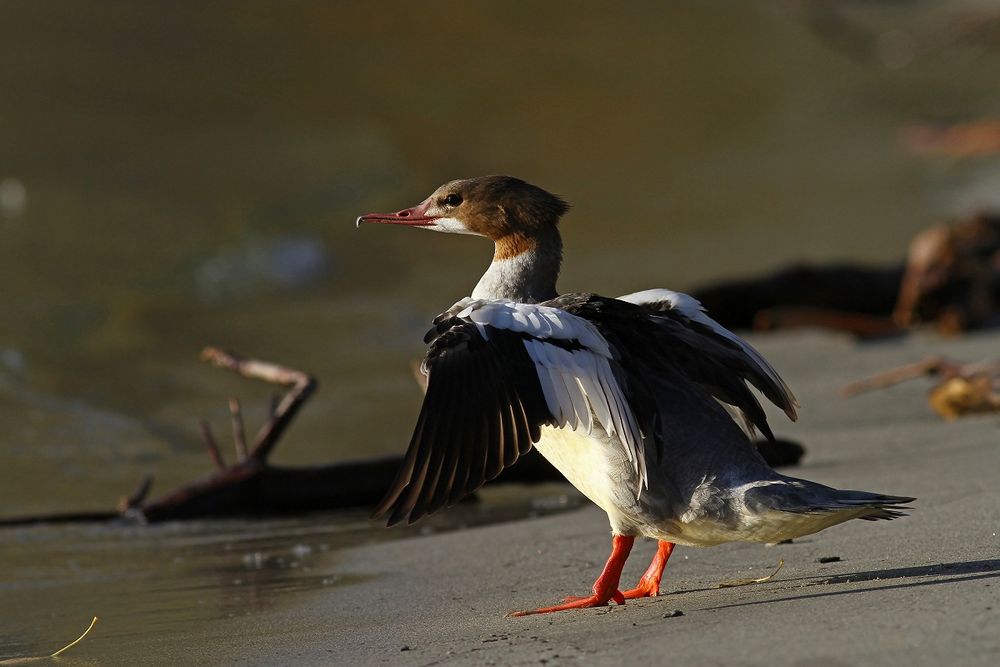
x,y
524,268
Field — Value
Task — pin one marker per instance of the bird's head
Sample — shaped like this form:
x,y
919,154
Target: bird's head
x,y
497,207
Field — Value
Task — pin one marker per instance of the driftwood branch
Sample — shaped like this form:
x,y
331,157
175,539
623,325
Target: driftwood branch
x,y
301,386
239,431
211,445
950,279
135,500
254,487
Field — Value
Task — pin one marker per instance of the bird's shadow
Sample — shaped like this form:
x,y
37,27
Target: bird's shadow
x,y
943,573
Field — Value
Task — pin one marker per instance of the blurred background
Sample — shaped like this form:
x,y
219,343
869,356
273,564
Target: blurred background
x,y
180,174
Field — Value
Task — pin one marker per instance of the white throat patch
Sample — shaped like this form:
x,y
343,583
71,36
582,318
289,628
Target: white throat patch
x,y
450,225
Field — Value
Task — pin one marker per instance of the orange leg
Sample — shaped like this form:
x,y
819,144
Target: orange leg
x,y
649,583
606,586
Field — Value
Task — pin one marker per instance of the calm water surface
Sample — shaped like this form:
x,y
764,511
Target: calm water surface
x,y
160,590
170,180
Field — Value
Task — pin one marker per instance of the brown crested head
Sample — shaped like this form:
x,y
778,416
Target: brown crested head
x,y
500,206
511,212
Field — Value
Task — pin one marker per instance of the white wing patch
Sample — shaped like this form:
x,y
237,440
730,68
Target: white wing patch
x,y
685,304
538,321
579,385
691,308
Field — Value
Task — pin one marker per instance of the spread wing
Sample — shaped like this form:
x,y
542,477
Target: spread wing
x,y
714,356
497,371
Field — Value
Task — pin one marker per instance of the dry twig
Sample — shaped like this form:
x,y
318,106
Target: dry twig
x,y
963,389
731,583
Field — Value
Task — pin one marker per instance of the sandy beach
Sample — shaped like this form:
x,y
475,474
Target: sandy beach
x,y
921,590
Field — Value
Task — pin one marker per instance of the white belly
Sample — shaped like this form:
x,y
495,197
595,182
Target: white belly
x,y
586,461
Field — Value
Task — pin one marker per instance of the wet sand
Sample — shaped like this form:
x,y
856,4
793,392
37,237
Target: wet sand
x,y
919,590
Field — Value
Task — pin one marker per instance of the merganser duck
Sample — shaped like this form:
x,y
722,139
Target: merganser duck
x,y
641,402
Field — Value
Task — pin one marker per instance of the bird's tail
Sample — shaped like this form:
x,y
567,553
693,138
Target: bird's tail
x,y
787,508
801,496
879,505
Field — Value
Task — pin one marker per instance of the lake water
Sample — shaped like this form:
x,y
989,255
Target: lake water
x,y
172,178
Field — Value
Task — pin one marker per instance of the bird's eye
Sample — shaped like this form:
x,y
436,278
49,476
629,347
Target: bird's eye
x,y
453,199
